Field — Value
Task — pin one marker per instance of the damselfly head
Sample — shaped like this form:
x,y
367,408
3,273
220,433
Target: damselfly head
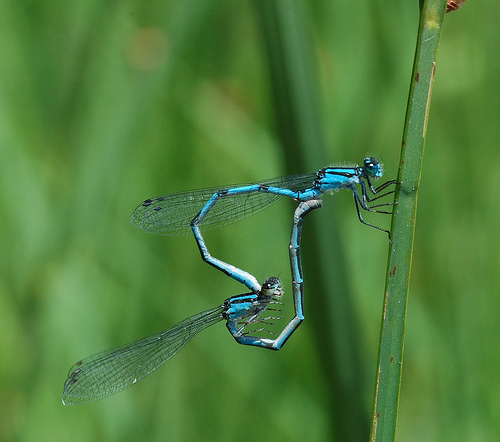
x,y
272,287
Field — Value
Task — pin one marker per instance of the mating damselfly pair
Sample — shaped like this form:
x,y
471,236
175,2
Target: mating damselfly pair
x,y
111,371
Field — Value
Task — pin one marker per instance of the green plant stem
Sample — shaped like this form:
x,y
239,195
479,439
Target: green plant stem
x,y
388,381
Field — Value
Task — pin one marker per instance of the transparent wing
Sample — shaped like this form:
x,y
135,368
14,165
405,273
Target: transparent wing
x,y
111,371
171,214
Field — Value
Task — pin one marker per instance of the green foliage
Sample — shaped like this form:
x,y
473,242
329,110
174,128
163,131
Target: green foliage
x,y
103,104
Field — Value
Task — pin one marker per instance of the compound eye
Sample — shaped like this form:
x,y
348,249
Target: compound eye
x,y
372,167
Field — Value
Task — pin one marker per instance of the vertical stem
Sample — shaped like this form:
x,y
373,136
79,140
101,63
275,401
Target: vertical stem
x,y
388,381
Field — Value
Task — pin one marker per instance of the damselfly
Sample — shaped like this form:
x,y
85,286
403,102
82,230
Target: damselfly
x,y
111,371
177,213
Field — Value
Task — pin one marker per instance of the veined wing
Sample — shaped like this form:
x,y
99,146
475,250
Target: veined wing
x,y
171,214
111,371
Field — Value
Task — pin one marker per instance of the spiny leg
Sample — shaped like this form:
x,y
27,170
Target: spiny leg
x,y
360,217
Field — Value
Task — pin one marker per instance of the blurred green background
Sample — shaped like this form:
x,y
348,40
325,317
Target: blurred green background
x,y
104,104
